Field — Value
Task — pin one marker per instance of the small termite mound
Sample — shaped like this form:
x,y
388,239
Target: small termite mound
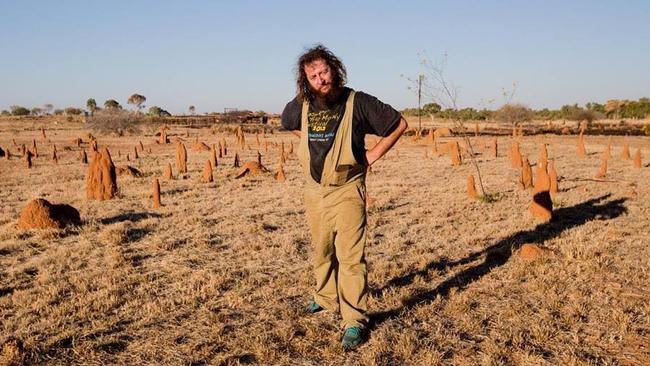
x,y
251,168
494,148
41,214
442,132
128,170
199,146
529,252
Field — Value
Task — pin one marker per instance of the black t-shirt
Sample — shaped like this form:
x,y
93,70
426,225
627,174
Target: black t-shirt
x,y
370,116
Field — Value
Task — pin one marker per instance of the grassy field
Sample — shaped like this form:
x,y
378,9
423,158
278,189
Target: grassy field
x,y
220,274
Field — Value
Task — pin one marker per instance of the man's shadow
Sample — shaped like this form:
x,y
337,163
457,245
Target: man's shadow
x,y
498,254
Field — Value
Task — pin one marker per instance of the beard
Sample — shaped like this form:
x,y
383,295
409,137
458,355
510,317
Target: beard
x,y
329,99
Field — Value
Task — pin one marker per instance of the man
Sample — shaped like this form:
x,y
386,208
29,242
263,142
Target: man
x,y
332,121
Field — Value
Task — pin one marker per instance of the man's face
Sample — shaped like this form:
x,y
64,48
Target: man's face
x,y
319,76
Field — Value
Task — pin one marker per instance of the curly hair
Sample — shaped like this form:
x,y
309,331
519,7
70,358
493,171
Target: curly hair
x,y
318,52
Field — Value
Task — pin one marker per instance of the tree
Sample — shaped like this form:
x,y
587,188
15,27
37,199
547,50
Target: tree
x,y
72,111
613,107
58,112
158,112
48,108
5,113
445,93
431,108
192,109
137,100
112,104
514,114
91,104
17,110
36,111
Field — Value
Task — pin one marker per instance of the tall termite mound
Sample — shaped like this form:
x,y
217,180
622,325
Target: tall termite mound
x,y
235,163
168,174
279,176
526,180
28,159
181,158
637,159
156,193
552,174
163,136
83,157
602,172
607,154
515,155
625,153
41,214
543,154
454,153
207,172
542,206
101,181
582,152
213,156
495,148
471,187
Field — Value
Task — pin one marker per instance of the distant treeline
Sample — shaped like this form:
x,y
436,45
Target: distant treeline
x,y
612,109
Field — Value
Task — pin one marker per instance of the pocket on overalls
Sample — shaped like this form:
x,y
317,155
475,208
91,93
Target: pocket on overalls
x,y
340,175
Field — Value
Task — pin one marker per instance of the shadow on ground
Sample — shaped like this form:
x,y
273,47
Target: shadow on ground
x,y
129,216
498,254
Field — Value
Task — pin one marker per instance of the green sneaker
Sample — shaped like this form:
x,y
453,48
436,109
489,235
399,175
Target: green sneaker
x,y
313,308
353,337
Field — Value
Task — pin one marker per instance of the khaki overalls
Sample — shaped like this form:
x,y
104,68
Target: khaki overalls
x,y
336,211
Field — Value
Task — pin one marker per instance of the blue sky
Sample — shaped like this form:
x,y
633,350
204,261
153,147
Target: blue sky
x,y
241,54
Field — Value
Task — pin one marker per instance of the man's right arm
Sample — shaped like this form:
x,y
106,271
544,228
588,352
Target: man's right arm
x,y
291,117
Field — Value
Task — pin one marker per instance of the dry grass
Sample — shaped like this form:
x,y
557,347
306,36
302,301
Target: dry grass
x,y
220,274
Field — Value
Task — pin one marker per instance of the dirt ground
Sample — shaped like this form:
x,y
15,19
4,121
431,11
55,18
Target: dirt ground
x,y
220,274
